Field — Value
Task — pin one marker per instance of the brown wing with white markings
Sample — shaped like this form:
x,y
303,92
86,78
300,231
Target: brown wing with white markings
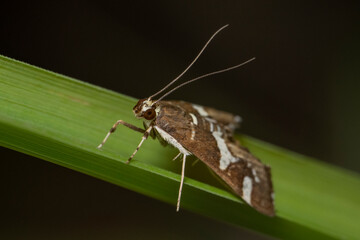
x,y
212,143
225,119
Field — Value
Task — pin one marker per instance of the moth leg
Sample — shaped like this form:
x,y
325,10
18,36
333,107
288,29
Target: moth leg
x,y
195,162
114,128
144,137
181,182
176,156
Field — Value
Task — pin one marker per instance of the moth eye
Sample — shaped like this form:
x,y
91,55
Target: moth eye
x,y
149,114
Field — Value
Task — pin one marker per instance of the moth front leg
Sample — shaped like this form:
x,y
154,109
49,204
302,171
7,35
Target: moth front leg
x,y
145,136
114,128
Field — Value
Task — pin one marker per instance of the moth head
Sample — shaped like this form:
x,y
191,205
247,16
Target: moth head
x,y
145,108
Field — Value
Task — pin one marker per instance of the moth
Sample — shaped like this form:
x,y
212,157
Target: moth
x,y
207,134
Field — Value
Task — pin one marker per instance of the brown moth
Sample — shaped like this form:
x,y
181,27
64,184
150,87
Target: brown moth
x,y
207,134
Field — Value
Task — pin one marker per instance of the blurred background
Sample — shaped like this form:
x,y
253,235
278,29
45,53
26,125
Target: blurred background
x,y
301,93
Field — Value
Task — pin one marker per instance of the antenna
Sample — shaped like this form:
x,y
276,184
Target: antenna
x,y
196,58
205,75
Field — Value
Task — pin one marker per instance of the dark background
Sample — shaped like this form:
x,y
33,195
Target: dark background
x,y
301,93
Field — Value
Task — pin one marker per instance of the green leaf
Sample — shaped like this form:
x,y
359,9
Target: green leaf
x,y
62,120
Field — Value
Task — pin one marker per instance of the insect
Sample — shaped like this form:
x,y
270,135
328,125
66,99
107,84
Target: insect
x,y
207,134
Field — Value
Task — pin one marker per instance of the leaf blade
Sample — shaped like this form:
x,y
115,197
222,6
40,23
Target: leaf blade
x,y
62,120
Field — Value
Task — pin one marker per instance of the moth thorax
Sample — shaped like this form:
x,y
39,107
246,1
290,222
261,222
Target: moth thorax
x,y
145,108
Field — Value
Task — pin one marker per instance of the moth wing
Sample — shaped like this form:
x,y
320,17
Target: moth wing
x,y
247,176
261,195
220,117
225,118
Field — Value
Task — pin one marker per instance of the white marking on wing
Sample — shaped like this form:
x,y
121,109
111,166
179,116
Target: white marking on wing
x,y
194,118
247,189
200,110
171,140
211,126
225,155
210,120
192,131
257,179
